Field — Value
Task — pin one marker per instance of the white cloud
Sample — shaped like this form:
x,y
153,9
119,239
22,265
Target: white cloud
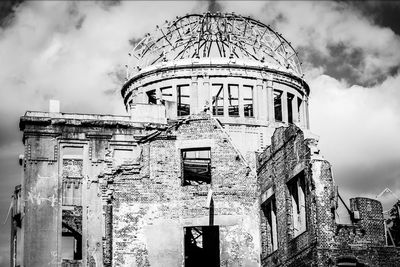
x,y
321,25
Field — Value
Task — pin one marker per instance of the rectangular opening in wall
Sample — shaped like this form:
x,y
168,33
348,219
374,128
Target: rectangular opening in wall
x,y
296,188
71,192
151,96
196,166
183,94
269,209
217,99
278,105
290,98
233,100
72,161
71,237
248,101
201,246
166,93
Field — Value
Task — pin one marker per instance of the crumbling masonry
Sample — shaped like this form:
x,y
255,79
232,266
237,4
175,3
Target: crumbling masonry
x,y
213,165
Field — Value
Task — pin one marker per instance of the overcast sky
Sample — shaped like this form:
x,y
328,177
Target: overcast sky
x,y
76,52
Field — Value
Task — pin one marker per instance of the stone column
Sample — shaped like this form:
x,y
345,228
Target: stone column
x,y
270,101
284,107
194,89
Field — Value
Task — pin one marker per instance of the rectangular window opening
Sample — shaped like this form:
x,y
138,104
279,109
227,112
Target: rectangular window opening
x,y
296,188
218,99
290,98
269,208
71,238
151,96
166,93
278,105
233,100
183,100
201,246
196,166
248,101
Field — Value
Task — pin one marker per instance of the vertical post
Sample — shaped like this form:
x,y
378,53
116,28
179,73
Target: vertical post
x,y
194,96
284,107
259,104
240,100
295,111
270,101
211,215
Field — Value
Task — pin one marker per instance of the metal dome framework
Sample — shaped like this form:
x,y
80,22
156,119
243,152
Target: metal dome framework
x,y
214,35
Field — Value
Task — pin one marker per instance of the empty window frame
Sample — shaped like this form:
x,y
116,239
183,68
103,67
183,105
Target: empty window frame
x,y
183,95
217,91
233,100
269,209
248,101
201,246
71,192
72,175
278,105
290,98
196,166
72,161
151,97
71,238
296,188
166,93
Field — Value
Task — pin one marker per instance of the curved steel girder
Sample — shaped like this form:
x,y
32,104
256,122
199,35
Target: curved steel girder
x,y
198,35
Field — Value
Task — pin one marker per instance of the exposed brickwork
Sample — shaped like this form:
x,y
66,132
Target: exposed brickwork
x,y
324,243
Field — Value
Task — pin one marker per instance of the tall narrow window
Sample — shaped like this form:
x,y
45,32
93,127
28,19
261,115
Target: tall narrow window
x,y
72,175
269,208
71,239
233,100
183,95
278,105
151,96
196,166
218,99
248,101
296,188
290,98
201,246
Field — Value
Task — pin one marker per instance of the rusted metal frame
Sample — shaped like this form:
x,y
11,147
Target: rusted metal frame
x,y
244,50
219,49
209,48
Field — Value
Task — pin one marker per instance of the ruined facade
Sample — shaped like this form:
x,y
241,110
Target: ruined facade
x,y
210,166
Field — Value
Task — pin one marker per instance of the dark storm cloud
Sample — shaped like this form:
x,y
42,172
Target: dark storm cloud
x,y
214,6
346,63
383,13
7,11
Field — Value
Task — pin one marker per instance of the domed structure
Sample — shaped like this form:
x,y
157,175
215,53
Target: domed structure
x,y
216,35
235,68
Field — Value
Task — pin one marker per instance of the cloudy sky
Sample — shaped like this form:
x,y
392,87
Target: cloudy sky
x,y
76,52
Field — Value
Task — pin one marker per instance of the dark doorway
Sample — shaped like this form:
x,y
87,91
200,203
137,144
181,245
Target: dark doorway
x,y
201,246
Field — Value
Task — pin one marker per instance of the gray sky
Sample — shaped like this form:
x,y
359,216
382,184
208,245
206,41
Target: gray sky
x,y
76,52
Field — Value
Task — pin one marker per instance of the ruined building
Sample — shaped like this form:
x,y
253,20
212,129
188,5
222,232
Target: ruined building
x,y
213,165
